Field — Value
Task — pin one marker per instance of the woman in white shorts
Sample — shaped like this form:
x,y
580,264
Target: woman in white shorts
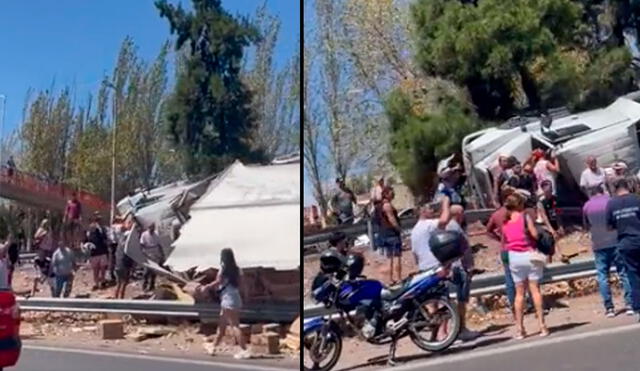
x,y
519,234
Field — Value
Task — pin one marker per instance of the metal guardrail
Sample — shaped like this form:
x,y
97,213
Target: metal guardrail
x,y
360,228
165,308
494,283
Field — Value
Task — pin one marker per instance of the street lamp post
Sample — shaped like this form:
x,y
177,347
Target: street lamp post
x,y
4,110
113,153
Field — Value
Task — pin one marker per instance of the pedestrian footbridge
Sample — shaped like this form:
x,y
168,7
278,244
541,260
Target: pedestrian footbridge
x,y
29,190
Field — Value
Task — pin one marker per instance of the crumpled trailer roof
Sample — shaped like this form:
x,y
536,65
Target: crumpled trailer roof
x,y
608,133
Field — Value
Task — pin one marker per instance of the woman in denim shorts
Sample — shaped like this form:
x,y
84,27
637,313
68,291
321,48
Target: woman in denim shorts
x,y
389,234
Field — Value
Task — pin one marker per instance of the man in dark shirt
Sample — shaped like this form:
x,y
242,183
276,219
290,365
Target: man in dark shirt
x,y
342,203
99,254
623,215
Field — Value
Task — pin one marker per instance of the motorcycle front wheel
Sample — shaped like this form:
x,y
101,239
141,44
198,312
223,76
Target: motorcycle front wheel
x,y
435,324
317,357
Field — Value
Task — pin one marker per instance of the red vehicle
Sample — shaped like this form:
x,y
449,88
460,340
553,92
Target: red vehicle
x,y
10,343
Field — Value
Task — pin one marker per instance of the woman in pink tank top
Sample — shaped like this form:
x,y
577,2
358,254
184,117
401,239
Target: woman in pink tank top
x,y
519,235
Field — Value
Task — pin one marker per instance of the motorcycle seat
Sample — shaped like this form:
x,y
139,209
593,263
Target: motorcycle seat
x,y
393,292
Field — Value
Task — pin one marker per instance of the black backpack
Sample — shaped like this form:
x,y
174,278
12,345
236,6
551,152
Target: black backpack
x,y
545,243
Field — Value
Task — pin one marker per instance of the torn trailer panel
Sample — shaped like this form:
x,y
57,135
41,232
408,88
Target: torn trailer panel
x,y
609,133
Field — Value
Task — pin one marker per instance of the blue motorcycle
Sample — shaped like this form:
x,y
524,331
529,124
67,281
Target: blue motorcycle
x,y
418,307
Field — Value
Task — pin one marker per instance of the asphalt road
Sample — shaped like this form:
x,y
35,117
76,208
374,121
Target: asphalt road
x,y
51,359
602,349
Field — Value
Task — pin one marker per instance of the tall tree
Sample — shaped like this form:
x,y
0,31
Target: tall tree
x,y
350,132
133,96
45,133
376,36
376,39
275,91
311,134
209,114
493,48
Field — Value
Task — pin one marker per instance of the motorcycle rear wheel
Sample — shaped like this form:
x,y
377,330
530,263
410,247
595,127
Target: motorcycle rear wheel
x,y
331,351
433,317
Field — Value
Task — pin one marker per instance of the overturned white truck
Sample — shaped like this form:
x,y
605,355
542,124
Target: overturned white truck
x,y
609,134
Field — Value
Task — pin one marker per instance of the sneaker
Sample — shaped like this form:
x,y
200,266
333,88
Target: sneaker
x,y
629,312
243,354
610,313
468,335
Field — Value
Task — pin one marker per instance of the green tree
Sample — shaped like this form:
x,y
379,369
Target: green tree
x,y
209,113
425,131
492,48
143,155
275,92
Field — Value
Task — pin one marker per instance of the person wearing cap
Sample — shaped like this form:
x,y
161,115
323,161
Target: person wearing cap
x,y
592,176
619,169
341,204
623,216
449,186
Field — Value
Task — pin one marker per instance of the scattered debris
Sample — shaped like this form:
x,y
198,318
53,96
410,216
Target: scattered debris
x,y
149,333
111,329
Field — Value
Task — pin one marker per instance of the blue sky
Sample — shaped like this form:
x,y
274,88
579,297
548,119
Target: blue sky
x,y
78,41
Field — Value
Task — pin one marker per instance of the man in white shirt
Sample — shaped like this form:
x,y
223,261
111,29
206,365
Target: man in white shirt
x,y
421,233
152,249
592,176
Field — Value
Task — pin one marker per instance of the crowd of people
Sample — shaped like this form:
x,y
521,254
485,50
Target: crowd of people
x,y
61,251
526,223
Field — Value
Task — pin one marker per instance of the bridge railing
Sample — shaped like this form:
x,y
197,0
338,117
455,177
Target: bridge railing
x,y
34,184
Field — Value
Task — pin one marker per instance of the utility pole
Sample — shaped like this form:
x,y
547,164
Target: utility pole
x,y
113,153
4,111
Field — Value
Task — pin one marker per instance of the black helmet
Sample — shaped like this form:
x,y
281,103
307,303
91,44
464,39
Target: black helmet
x,y
331,261
355,265
336,238
447,246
